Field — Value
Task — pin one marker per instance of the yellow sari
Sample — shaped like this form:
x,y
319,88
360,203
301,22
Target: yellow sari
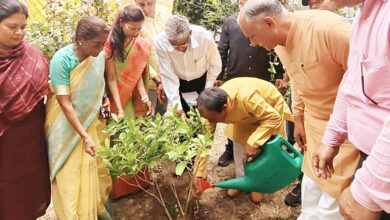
x,y
80,183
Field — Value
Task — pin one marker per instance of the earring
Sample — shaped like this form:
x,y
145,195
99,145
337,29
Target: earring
x,y
80,43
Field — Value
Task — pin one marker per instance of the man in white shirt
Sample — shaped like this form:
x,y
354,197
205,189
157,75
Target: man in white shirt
x,y
189,60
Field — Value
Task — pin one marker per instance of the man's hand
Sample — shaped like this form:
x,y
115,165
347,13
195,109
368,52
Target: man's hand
x,y
218,83
281,84
322,161
299,132
160,94
250,153
196,187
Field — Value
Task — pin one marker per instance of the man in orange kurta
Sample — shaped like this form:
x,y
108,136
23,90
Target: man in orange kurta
x,y
313,47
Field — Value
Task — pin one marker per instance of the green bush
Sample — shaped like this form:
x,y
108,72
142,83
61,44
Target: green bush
x,y
61,18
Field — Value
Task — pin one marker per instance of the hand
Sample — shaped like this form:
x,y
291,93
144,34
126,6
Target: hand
x,y
218,83
89,146
150,106
196,187
322,161
121,114
160,94
281,84
299,132
250,153
105,108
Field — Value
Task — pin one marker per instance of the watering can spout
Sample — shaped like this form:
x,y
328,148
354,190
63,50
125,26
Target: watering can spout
x,y
240,183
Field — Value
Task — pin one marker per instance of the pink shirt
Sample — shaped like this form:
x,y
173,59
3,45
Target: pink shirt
x,y
354,115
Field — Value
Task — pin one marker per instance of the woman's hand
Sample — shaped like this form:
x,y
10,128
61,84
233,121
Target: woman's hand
x,y
149,104
89,146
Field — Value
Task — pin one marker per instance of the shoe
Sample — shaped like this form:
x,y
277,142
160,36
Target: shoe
x,y
256,197
232,193
225,159
293,199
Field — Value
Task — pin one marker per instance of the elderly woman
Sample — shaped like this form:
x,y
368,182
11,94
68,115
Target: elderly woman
x,y
80,181
24,171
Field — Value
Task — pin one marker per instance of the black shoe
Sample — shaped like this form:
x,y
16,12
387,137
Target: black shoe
x,y
225,159
293,199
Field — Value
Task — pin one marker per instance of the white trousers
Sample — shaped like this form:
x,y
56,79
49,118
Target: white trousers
x,y
239,156
316,204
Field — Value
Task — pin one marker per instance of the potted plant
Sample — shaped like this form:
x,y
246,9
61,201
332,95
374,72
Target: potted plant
x,y
138,145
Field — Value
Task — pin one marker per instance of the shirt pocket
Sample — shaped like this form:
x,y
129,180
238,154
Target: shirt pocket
x,y
321,76
376,75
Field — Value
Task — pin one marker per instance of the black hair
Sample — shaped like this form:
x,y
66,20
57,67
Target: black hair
x,y
212,99
10,7
90,27
130,13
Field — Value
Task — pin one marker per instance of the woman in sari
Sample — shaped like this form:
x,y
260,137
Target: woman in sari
x,y
127,65
80,181
24,170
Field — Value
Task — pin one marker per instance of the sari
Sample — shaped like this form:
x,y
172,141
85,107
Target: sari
x,y
128,73
80,183
24,169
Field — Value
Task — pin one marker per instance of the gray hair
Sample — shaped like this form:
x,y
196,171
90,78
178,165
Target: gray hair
x,y
177,27
254,8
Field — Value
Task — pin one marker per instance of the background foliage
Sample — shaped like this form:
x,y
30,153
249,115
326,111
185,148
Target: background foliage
x,y
60,20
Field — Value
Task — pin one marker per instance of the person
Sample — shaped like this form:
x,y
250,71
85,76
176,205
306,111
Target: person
x,y
294,197
362,112
156,17
239,59
80,181
315,68
127,59
254,111
320,5
189,60
24,170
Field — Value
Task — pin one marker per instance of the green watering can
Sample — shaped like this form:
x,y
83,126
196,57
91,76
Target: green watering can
x,y
278,165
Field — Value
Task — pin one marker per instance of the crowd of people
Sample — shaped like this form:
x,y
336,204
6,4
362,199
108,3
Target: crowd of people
x,y
52,116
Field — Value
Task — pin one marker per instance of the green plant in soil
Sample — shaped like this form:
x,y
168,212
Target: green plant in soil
x,y
145,142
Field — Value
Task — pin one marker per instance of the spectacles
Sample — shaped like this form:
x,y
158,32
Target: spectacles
x,y
132,28
362,77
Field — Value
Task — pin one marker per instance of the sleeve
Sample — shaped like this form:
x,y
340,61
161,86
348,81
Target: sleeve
x,y
336,129
338,38
59,74
201,162
169,79
269,119
297,106
215,63
372,181
223,47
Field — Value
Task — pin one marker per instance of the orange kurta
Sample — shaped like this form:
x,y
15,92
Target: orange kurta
x,y
315,58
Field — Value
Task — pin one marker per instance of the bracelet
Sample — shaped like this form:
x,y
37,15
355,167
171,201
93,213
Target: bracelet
x,y
144,98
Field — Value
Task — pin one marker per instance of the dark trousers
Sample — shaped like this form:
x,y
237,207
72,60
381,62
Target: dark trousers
x,y
196,85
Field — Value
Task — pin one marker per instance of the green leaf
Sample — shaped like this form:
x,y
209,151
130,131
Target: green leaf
x,y
205,152
180,168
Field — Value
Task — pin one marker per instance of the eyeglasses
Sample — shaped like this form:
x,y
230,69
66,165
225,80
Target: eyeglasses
x,y
132,28
362,77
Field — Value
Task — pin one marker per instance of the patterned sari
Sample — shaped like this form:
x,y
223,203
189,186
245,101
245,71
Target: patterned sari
x,y
134,68
80,183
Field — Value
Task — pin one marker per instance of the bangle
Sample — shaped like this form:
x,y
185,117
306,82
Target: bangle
x,y
144,98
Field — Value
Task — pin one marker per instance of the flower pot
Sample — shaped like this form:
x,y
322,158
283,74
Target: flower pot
x,y
129,185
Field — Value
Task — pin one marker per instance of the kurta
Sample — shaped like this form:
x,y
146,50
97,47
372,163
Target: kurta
x,y
315,57
151,28
256,111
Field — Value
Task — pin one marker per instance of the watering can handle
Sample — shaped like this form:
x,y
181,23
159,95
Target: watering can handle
x,y
289,146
